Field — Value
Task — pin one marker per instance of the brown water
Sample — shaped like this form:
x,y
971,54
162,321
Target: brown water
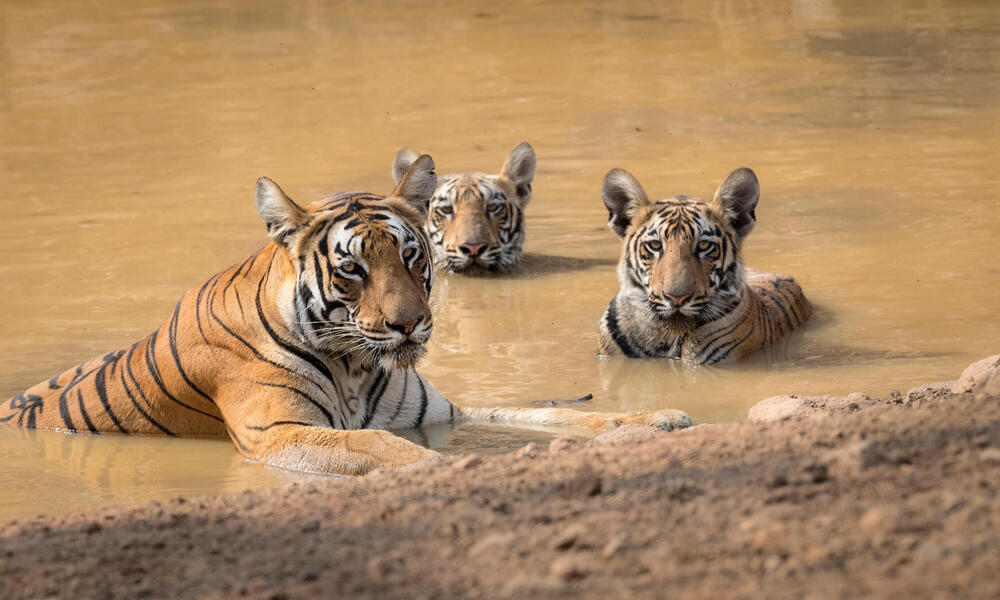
x,y
131,135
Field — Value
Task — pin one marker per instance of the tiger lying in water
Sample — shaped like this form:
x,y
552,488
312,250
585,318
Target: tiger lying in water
x,y
301,354
684,292
476,221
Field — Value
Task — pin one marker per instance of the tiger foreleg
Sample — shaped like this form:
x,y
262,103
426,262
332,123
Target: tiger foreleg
x,y
324,450
566,417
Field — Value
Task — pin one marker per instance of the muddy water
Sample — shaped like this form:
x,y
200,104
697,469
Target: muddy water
x,y
131,135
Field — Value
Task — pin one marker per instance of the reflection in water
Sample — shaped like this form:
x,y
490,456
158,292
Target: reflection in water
x,y
130,139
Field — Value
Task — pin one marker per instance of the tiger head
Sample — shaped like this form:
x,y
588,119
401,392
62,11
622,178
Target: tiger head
x,y
359,274
476,221
680,262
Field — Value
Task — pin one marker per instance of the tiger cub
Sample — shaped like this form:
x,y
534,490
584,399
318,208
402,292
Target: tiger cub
x,y
684,292
302,354
476,220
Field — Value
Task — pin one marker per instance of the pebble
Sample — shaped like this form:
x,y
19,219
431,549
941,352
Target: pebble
x,y
567,568
468,462
310,526
991,455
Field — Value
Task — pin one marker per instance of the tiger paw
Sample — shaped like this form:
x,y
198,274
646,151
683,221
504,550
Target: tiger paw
x,y
666,420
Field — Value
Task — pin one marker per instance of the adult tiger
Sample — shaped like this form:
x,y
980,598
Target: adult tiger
x,y
301,354
476,221
684,292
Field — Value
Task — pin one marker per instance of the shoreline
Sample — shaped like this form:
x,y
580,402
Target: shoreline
x,y
827,496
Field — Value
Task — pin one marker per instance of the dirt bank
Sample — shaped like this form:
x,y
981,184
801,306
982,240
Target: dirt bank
x,y
821,497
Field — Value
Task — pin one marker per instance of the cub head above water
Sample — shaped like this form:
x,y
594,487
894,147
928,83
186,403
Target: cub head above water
x,y
363,273
475,220
684,292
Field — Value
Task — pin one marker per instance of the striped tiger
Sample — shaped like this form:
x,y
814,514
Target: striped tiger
x,y
476,221
302,354
684,292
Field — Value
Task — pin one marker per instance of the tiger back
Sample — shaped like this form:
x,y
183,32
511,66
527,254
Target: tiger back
x,y
476,220
684,292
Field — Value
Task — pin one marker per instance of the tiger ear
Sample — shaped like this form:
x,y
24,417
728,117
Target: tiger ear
x,y
417,184
520,168
623,197
282,216
737,198
404,158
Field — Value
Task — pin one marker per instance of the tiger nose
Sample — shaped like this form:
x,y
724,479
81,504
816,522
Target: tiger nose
x,y
472,249
678,298
404,327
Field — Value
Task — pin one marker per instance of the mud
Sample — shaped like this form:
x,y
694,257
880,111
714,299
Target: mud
x,y
842,497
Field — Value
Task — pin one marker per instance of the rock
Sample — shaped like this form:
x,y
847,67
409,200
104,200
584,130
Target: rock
x,y
879,519
530,450
563,443
976,375
990,387
566,568
568,538
777,408
852,459
615,545
310,526
497,544
584,482
468,462
991,455
627,434
928,391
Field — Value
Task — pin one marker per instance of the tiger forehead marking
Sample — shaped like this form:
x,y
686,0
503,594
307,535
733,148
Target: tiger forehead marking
x,y
364,273
684,292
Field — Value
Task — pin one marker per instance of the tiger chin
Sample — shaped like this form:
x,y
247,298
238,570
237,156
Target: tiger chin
x,y
301,354
684,292
475,221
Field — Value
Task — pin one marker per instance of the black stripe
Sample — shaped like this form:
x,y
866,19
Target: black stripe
x,y
83,411
128,366
373,402
423,402
64,413
102,394
611,320
257,353
402,398
297,351
52,383
276,424
172,342
154,371
326,413
236,440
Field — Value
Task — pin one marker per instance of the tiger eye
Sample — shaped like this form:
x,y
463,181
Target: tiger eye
x,y
704,245
445,210
654,245
408,253
350,268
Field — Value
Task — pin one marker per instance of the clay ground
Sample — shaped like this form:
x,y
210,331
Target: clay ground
x,y
853,497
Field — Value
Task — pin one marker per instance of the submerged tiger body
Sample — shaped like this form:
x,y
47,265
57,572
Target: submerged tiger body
x,y
475,221
302,354
684,292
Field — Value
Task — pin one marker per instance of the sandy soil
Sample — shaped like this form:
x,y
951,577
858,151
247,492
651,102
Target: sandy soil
x,y
812,497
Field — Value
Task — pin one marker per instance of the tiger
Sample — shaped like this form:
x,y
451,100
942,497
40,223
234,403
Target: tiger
x,y
684,292
303,354
476,220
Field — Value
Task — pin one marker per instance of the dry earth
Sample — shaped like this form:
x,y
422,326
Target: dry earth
x,y
811,497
